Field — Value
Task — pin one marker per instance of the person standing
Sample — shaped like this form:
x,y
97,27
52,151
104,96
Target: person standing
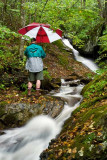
x,y
34,65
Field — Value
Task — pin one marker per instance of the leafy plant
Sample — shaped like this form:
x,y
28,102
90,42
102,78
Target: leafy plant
x,y
47,75
9,56
2,86
97,87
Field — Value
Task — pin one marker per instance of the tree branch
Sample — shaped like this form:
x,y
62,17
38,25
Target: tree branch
x,y
43,9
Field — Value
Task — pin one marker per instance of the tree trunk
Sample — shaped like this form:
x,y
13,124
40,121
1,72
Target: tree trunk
x,y
105,11
81,3
4,10
100,7
84,1
22,21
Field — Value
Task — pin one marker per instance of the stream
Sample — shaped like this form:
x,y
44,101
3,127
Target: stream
x,y
87,62
29,141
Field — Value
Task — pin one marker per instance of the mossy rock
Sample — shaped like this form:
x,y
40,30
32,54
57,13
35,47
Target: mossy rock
x,y
96,80
11,120
2,108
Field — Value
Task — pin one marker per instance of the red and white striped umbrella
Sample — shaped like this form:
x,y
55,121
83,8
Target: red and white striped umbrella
x,y
41,32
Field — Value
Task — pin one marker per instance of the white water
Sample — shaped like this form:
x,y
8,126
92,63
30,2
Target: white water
x,y
73,98
87,62
29,141
26,143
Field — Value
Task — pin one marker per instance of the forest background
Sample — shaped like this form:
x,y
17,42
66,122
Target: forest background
x,y
79,20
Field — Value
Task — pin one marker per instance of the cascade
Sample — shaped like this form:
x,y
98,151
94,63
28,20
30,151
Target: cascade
x,y
87,62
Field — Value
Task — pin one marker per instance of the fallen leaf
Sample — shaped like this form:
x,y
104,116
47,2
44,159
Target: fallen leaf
x,y
74,150
69,150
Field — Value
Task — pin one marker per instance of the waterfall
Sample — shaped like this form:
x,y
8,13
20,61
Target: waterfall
x,y
87,62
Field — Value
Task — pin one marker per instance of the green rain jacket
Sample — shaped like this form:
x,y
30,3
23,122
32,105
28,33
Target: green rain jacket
x,y
34,50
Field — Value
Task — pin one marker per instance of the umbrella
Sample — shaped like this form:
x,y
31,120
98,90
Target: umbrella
x,y
41,32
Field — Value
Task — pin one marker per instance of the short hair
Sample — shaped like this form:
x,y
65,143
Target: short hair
x,y
33,39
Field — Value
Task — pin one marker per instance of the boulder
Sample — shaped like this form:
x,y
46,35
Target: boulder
x,y
17,114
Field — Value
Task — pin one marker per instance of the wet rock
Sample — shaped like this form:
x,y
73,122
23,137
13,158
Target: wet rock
x,y
14,115
72,101
85,81
72,77
48,84
74,83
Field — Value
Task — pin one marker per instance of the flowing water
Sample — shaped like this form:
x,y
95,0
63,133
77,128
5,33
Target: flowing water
x,y
87,62
29,141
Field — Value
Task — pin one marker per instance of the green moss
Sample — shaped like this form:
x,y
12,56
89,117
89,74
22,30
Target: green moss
x,y
93,111
10,120
96,85
3,103
59,43
99,113
96,88
2,108
2,112
63,60
89,103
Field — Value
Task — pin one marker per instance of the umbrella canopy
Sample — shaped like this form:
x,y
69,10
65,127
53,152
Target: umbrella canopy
x,y
41,32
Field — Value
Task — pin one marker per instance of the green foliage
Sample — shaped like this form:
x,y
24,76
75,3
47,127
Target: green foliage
x,y
96,88
103,47
47,75
90,75
71,18
24,86
63,60
103,43
102,70
2,86
99,85
59,43
77,21
9,56
89,138
30,7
